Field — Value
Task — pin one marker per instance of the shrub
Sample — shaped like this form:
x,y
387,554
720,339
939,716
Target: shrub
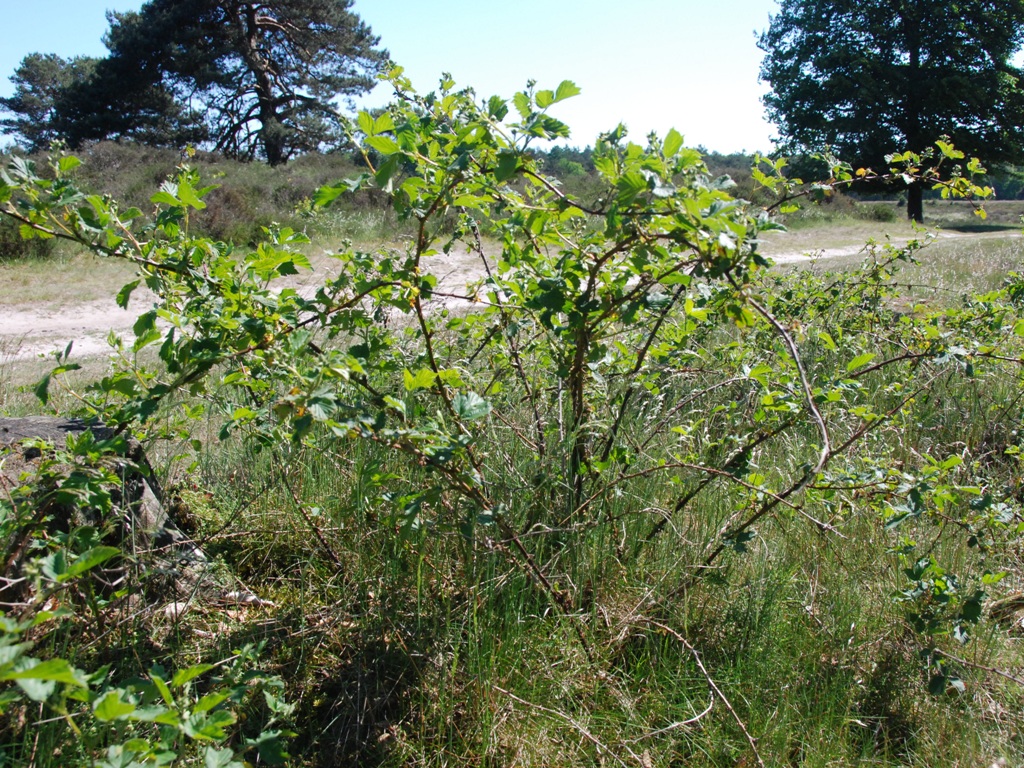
x,y
879,211
628,415
14,246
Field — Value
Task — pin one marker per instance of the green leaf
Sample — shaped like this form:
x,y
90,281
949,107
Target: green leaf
x,y
220,758
508,162
139,746
158,714
125,293
188,196
566,90
383,144
55,565
971,610
271,747
522,104
629,186
112,707
37,690
327,195
146,339
471,406
183,676
545,98
210,727
365,122
497,108
673,143
386,172
164,197
859,361
383,124
161,686
55,670
209,701
68,163
42,389
423,379
87,561
145,323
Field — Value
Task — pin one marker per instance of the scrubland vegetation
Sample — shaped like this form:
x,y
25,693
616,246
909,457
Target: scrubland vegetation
x,y
635,498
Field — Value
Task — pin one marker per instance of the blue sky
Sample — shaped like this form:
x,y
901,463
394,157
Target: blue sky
x,y
652,64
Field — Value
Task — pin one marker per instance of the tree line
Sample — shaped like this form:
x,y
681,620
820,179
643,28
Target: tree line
x,y
264,80
250,80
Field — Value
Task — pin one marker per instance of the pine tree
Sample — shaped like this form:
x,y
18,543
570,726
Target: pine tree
x,y
258,79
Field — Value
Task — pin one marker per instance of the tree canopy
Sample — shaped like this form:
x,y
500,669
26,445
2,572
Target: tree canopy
x,y
869,77
251,79
39,81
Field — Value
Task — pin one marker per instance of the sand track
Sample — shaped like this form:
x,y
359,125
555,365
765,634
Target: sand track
x,y
27,331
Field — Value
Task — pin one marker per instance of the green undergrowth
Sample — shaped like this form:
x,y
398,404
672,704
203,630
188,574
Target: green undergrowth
x,y
643,502
246,197
428,649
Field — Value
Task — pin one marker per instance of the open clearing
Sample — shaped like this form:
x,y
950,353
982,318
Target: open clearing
x,y
45,306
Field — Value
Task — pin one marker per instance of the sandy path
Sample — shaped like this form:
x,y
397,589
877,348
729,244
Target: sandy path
x,y
797,257
27,332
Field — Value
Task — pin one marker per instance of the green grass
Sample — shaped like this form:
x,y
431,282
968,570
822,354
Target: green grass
x,y
404,655
436,648
434,651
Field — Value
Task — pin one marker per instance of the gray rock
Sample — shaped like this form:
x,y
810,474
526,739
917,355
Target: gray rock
x,y
173,563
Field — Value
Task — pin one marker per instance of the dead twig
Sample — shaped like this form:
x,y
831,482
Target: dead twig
x,y
711,684
982,667
674,726
601,746
328,549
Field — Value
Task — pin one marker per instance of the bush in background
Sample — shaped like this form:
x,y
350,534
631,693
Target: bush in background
x,y
247,197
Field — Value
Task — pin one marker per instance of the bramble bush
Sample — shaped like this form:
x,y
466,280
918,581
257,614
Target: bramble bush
x,y
628,378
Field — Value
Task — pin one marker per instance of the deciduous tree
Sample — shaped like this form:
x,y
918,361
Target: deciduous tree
x,y
867,76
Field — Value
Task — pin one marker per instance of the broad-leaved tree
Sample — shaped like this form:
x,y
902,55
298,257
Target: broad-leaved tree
x,y
868,76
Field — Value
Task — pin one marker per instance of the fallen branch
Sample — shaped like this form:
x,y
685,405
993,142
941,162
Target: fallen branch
x,y
674,726
601,746
711,684
982,667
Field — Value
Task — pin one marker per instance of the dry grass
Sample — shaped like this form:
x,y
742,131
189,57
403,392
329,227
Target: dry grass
x,y
69,279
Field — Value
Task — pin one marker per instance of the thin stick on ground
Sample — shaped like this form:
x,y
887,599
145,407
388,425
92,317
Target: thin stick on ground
x,y
711,683
309,521
601,746
674,726
981,667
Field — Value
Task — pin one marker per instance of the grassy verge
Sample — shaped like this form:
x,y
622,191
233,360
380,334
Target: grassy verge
x,y
622,626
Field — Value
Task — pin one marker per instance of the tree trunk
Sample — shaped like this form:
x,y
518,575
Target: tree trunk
x,y
916,140
915,202
272,133
141,525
